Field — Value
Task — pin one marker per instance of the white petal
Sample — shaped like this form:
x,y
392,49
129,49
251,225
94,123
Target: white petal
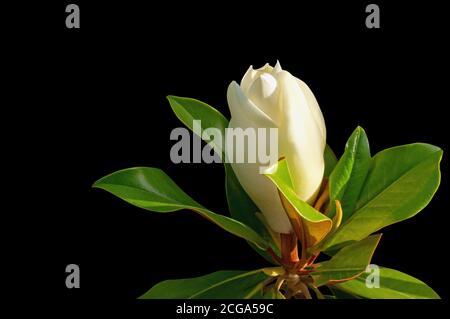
x,y
301,139
241,107
248,78
314,107
263,93
265,85
265,68
277,67
262,191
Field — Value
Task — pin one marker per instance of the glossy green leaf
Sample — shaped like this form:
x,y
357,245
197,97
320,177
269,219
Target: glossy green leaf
x,y
393,285
152,189
240,205
330,160
400,183
187,110
349,175
339,294
220,284
316,224
348,263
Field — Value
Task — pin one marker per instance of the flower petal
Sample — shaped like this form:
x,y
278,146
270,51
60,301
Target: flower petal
x,y
301,139
241,107
261,190
314,107
248,79
277,68
264,94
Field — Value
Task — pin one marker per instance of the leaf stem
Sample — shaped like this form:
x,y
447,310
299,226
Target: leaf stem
x,y
289,249
323,197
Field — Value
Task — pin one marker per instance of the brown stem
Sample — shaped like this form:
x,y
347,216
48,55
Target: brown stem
x,y
303,241
312,259
323,197
289,249
274,255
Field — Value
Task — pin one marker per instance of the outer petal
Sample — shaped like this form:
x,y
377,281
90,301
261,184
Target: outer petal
x,y
314,107
248,78
277,68
260,189
301,139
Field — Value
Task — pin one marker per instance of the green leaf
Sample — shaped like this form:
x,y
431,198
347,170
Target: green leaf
x,y
152,189
393,285
316,224
330,160
240,205
187,110
400,183
339,294
348,263
221,284
347,179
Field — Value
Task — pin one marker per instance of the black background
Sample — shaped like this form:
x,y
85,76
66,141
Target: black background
x,y
92,101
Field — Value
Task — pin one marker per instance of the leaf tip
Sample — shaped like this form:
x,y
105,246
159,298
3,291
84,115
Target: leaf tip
x,y
360,131
96,183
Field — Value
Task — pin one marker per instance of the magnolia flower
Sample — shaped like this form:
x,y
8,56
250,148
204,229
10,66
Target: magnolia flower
x,y
271,97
